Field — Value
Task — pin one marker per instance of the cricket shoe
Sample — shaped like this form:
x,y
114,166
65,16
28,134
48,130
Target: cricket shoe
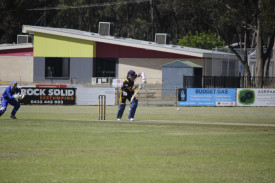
x,y
13,117
118,119
131,119
2,110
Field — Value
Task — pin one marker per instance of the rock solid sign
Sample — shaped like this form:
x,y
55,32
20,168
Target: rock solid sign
x,y
51,96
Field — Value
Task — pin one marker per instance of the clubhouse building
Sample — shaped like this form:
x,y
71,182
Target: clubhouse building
x,y
61,55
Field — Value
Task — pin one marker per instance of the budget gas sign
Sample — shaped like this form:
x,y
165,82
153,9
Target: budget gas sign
x,y
206,97
51,96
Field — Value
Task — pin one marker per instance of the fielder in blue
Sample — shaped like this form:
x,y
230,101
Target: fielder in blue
x,y
126,92
8,98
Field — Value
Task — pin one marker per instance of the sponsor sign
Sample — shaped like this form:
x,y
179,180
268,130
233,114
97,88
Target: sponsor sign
x,y
206,97
255,97
117,82
50,96
50,86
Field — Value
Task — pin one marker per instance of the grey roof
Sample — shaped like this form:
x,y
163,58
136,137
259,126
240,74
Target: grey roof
x,y
175,49
182,64
15,46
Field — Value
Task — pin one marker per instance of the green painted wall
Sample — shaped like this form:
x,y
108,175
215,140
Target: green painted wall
x,y
47,45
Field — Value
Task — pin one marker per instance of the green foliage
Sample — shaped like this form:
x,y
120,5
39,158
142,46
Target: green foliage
x,y
204,40
139,20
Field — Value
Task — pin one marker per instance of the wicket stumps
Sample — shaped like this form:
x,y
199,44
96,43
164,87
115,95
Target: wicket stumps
x,y
101,107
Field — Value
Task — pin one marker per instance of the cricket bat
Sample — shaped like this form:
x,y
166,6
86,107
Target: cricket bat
x,y
141,86
136,91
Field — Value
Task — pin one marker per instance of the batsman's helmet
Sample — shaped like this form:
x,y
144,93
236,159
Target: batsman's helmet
x,y
132,73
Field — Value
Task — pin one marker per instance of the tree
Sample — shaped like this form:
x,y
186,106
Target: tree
x,y
204,40
239,20
265,30
137,19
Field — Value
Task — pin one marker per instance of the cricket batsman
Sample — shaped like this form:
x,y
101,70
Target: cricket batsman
x,y
126,93
10,96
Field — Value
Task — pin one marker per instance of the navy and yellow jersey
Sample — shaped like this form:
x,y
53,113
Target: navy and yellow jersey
x,y
127,86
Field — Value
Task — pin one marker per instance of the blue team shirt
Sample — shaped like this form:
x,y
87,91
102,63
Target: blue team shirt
x,y
9,92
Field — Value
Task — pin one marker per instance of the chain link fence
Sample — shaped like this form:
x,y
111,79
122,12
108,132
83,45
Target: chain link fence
x,y
226,82
148,95
154,95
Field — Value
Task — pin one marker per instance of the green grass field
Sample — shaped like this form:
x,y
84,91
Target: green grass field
x,y
196,144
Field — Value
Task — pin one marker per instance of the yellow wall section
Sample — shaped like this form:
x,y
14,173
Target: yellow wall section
x,y
47,45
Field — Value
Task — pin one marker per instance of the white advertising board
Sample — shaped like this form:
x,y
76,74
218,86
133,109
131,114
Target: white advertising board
x,y
117,82
89,96
2,90
255,97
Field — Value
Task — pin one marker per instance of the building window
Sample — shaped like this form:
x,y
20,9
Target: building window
x,y
57,67
105,67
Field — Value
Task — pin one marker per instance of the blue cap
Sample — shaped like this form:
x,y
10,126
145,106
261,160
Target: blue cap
x,y
131,72
14,82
